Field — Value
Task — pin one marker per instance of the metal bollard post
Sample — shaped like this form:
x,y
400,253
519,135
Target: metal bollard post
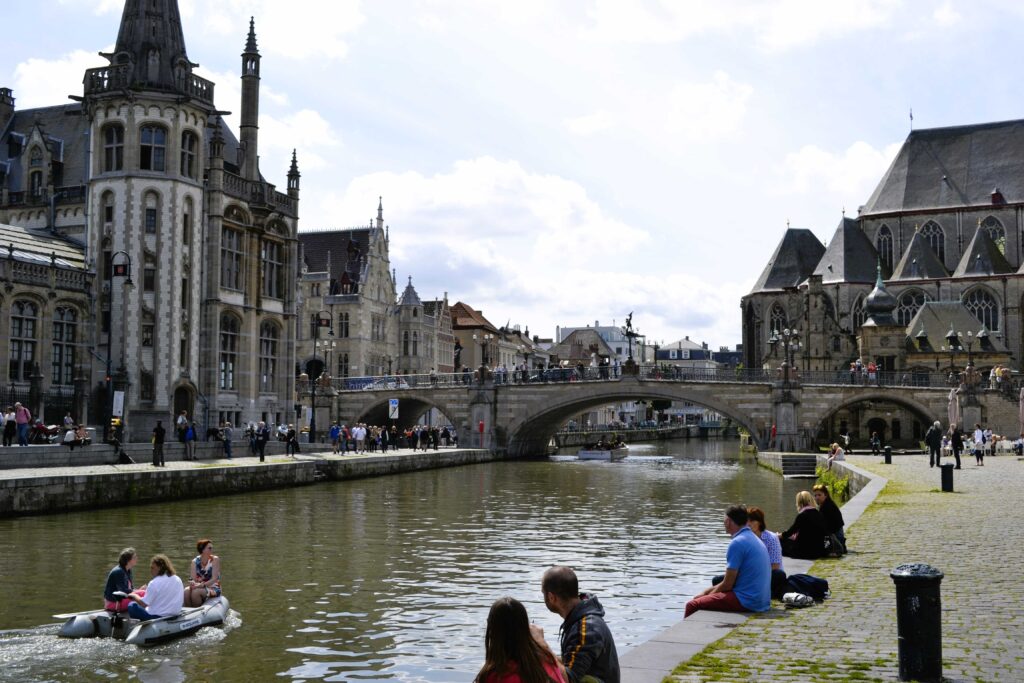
x,y
947,477
919,621
888,455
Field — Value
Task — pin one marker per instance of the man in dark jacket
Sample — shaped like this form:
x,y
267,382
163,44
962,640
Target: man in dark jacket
x,y
588,648
933,438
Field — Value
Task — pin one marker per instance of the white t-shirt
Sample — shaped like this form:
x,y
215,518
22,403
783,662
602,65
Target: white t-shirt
x,y
165,596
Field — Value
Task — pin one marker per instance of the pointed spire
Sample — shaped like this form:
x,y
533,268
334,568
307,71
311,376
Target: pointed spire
x,y
380,213
151,38
250,43
294,170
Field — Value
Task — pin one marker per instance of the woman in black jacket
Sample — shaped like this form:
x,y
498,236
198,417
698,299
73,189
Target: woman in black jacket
x,y
805,539
831,514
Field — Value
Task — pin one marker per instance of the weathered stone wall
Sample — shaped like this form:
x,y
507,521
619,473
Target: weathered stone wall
x,y
63,492
103,454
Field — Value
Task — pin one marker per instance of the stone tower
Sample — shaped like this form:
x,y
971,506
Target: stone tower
x,y
249,125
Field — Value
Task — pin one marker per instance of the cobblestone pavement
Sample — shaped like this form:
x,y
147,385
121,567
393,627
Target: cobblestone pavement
x,y
972,535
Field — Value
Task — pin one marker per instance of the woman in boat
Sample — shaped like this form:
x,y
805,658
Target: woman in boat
x,y
513,655
204,574
163,593
805,539
120,579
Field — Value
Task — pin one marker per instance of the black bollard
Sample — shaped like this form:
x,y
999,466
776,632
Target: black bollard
x,y
919,621
888,455
947,477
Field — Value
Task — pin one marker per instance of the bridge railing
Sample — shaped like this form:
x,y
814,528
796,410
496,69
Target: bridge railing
x,y
650,372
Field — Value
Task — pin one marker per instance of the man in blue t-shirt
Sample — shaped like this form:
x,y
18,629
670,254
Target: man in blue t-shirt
x,y
747,585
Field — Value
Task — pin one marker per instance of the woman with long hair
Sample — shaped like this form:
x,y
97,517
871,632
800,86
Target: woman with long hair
x,y
513,654
832,515
164,593
204,575
805,539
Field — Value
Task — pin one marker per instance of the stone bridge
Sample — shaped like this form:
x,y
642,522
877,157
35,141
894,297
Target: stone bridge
x,y
519,419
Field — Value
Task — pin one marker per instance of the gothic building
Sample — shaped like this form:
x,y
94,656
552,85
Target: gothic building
x,y
191,252
942,235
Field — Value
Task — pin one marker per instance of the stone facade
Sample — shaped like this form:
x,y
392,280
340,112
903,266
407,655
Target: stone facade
x,y
192,254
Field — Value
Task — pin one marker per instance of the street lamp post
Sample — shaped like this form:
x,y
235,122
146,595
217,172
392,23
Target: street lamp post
x,y
790,341
485,341
318,322
113,270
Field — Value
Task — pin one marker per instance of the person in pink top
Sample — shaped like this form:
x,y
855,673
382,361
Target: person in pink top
x,y
513,653
23,418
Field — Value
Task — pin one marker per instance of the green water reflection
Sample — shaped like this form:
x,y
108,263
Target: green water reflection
x,y
389,578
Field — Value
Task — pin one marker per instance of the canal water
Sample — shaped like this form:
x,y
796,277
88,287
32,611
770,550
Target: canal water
x,y
388,578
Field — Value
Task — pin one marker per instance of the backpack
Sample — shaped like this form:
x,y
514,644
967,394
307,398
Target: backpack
x,y
809,585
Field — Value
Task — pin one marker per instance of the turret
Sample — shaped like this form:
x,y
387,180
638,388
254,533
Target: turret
x,y
249,124
151,41
6,107
293,177
380,213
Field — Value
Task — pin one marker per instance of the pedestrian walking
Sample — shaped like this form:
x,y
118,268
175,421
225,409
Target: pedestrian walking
x,y
189,438
956,443
10,426
262,437
23,418
229,434
159,433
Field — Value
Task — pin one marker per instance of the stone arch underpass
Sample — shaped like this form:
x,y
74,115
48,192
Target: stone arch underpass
x,y
535,419
411,409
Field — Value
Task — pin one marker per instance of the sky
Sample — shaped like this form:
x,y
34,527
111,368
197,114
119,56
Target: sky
x,y
564,163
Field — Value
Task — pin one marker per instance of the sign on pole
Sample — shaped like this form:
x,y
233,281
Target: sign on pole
x,y
118,409
392,408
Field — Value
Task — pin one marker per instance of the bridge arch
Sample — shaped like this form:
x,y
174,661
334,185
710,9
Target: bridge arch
x,y
410,410
530,433
926,413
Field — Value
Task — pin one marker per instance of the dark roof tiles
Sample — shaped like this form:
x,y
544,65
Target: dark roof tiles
x,y
794,260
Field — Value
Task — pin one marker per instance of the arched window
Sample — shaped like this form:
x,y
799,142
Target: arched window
x,y
405,343
984,307
342,365
857,316
936,239
108,210
113,147
152,148
148,328
35,157
231,252
996,231
415,343
909,304
65,331
24,321
228,350
883,243
777,319
189,145
151,213
35,183
343,325
272,255
269,336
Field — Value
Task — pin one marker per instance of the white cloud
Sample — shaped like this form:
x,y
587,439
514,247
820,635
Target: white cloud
x,y
305,130
590,123
946,15
48,82
702,111
775,26
298,29
850,175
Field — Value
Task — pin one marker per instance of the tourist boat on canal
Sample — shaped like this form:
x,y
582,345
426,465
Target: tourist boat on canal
x,y
607,453
105,624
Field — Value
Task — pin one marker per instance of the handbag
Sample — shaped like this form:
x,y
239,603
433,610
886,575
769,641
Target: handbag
x,y
833,546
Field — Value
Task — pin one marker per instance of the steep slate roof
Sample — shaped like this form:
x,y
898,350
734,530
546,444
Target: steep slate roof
x,y
952,167
982,257
63,127
40,246
919,262
936,318
347,249
410,297
465,316
850,256
794,260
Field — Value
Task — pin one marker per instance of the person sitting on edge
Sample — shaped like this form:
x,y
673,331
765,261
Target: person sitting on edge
x,y
588,649
832,515
755,520
120,579
513,655
836,452
805,539
747,584
204,575
164,593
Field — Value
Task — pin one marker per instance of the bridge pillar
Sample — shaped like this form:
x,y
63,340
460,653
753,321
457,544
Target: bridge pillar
x,y
786,402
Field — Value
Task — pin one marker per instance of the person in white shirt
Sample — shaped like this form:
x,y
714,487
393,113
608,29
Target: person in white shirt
x,y
164,595
979,444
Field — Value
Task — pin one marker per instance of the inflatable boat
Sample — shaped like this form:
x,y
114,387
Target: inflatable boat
x,y
603,453
105,624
